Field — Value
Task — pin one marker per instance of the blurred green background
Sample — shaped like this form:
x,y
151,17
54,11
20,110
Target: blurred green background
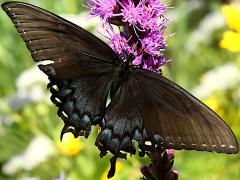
x,y
29,127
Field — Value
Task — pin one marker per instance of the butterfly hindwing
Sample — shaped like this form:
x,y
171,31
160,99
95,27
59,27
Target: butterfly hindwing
x,y
149,108
122,123
81,102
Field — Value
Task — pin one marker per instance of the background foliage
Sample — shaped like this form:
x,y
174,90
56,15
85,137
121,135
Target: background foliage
x,y
30,128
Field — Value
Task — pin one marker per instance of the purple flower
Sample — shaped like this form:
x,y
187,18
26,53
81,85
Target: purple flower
x,y
141,29
173,174
161,166
103,8
131,13
148,19
153,43
158,7
153,63
62,176
137,60
152,14
170,154
118,42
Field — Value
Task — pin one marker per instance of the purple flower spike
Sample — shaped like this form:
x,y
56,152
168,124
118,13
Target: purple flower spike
x,y
161,166
141,29
141,25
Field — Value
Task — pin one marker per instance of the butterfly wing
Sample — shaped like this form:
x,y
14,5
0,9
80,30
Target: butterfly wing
x,y
81,68
153,110
68,46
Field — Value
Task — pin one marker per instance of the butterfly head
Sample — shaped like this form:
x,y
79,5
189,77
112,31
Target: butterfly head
x,y
130,58
129,61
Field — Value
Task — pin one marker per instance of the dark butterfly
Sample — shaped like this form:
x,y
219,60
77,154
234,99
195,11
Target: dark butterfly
x,y
145,106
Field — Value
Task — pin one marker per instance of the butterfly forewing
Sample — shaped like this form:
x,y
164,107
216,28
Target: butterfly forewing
x,y
50,37
184,121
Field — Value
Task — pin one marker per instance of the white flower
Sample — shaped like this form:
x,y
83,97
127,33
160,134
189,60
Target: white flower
x,y
38,151
32,84
31,87
219,79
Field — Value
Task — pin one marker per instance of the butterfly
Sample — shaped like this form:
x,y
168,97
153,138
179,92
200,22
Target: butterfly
x,y
145,107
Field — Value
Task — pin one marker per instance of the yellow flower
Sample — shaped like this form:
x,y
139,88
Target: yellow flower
x,y
213,103
231,38
70,145
231,41
232,15
119,166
